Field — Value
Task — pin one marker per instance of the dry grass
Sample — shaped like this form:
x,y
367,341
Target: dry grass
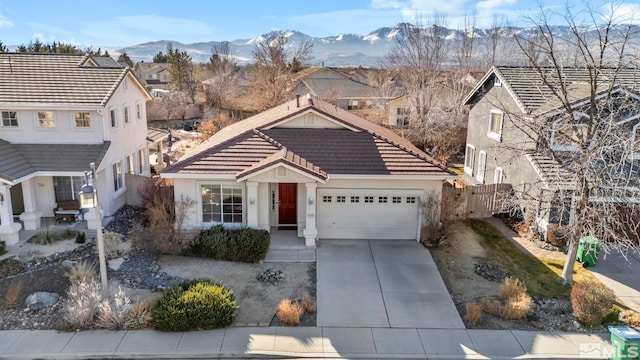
x,y
12,295
112,312
290,312
140,315
82,271
512,288
516,307
474,313
491,306
308,303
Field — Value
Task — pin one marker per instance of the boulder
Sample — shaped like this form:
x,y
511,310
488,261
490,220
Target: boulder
x,y
42,300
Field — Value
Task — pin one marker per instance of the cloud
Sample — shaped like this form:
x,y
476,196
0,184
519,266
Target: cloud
x,y
386,4
4,22
414,9
141,28
622,13
492,4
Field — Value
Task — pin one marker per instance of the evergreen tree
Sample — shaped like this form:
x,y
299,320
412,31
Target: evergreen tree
x,y
125,59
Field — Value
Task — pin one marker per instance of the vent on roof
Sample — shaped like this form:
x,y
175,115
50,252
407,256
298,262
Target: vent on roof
x,y
310,119
497,81
281,172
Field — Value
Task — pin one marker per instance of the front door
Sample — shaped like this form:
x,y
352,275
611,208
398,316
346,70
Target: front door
x,y
287,204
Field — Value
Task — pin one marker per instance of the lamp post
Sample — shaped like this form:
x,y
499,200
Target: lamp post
x,y
88,200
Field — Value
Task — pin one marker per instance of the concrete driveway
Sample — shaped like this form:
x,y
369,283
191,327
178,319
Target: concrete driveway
x,y
381,283
621,275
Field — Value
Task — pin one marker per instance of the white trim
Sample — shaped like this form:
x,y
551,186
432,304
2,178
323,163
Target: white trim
x,y
491,134
286,166
485,78
482,168
294,117
199,204
391,177
221,177
469,170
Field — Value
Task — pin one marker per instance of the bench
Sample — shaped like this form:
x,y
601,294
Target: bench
x,y
67,211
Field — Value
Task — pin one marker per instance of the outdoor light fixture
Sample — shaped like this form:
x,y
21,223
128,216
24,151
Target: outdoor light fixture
x,y
89,200
252,201
310,200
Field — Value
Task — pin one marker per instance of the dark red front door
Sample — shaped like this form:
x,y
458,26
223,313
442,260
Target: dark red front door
x,y
287,201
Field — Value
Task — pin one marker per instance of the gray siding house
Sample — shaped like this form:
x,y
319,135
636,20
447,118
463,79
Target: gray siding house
x,y
501,148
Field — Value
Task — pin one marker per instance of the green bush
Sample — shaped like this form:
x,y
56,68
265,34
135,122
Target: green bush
x,y
3,248
195,305
244,244
591,302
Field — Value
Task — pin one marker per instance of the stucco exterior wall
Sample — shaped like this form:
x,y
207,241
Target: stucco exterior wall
x,y
506,153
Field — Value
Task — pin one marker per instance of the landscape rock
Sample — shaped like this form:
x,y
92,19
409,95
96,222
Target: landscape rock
x,y
41,300
270,277
491,272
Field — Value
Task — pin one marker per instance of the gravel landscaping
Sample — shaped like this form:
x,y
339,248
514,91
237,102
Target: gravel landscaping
x,y
258,287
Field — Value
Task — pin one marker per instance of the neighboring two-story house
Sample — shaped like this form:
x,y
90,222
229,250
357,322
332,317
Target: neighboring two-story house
x,y
153,75
502,147
59,113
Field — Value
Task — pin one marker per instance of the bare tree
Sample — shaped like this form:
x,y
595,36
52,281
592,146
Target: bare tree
x,y
222,82
590,85
437,120
465,42
274,69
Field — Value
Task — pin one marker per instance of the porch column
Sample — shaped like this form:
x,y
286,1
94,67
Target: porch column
x,y
252,204
160,163
30,217
8,228
310,231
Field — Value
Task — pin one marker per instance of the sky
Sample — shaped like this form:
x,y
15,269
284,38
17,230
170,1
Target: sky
x,y
118,23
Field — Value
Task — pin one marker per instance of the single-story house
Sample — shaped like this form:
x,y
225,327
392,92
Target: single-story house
x,y
311,166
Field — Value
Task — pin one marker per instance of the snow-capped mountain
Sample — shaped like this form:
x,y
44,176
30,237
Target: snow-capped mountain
x,y
348,49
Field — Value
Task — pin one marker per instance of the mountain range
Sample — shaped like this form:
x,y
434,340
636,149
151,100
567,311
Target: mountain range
x,y
348,49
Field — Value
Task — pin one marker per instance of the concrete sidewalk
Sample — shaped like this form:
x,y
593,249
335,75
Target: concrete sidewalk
x,y
317,342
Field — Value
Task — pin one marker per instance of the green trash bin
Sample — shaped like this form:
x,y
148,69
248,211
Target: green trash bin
x,y
588,250
625,343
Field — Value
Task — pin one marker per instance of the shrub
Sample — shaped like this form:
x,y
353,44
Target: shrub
x,y
112,312
81,237
81,305
491,306
140,316
46,237
3,248
195,305
67,234
474,312
512,288
308,304
516,307
290,312
80,272
631,318
591,302
112,241
11,297
245,244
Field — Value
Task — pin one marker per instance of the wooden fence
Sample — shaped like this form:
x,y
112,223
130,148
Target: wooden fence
x,y
473,201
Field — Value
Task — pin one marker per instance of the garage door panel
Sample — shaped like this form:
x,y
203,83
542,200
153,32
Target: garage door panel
x,y
347,220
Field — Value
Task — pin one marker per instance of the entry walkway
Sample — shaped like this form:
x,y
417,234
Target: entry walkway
x,y
287,342
381,283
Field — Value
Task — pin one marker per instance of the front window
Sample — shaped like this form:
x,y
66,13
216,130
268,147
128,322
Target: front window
x,y
126,114
66,188
114,118
222,204
82,120
9,119
469,159
495,125
118,181
45,119
142,160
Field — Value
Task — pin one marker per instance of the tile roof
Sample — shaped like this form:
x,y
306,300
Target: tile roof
x,y
345,86
20,160
255,143
536,97
56,79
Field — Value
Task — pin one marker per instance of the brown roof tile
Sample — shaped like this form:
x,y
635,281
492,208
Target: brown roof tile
x,y
255,143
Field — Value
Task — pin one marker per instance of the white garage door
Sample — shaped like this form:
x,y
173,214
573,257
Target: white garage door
x,y
367,214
